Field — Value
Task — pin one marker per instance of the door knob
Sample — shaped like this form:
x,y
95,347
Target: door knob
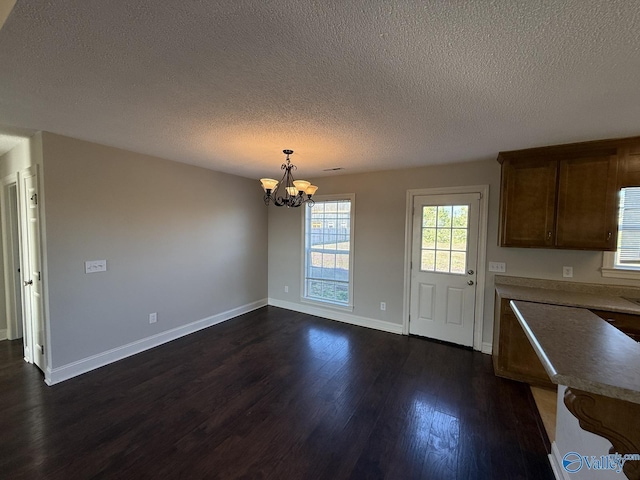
x,y
470,282
28,282
470,272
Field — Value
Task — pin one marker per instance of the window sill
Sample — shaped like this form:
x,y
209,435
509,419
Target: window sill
x,y
620,273
335,306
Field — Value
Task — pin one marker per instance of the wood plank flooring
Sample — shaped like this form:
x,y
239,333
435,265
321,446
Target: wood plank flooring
x,y
274,394
547,404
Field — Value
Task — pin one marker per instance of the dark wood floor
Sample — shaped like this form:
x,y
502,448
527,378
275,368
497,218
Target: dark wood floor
x,y
273,394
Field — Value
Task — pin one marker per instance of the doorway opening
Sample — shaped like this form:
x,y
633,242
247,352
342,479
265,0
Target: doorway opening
x,y
11,253
21,251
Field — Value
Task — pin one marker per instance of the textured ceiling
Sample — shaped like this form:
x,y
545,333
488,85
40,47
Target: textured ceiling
x,y
359,84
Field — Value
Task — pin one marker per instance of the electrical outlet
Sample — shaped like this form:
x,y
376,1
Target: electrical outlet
x,y
93,266
153,317
497,267
286,289
383,306
567,272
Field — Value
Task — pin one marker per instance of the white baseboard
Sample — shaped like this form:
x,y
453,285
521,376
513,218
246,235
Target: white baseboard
x,y
555,459
487,348
65,372
3,334
338,316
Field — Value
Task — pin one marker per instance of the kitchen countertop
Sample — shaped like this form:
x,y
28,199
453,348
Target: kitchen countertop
x,y
580,350
570,294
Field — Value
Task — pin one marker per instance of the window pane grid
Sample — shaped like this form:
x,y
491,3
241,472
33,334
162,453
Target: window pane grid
x,y
444,238
328,251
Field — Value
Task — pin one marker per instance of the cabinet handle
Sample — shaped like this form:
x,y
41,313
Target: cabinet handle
x,y
549,235
609,235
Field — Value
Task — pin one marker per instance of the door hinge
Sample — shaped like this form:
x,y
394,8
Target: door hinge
x,y
411,265
34,198
39,279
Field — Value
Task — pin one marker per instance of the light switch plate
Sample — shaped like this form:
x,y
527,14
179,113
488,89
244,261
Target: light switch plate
x,y
500,267
567,272
94,266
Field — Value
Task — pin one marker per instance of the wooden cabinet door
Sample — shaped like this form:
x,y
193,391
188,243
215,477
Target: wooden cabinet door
x,y
517,359
528,203
629,165
587,199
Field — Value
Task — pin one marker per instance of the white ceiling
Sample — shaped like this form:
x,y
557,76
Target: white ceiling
x,y
359,84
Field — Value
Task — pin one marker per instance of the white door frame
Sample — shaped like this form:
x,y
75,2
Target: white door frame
x,y
483,221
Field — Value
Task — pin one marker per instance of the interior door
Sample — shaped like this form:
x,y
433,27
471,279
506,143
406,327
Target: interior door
x,y
443,267
32,278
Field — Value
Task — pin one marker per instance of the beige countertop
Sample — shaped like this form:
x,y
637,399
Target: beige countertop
x,y
570,294
580,350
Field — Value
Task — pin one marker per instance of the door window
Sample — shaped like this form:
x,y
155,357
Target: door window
x,y
444,238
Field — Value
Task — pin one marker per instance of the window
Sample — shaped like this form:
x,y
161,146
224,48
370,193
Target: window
x,y
444,238
625,262
328,250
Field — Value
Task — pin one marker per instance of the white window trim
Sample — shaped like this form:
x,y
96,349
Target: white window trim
x,y
609,267
324,198
610,270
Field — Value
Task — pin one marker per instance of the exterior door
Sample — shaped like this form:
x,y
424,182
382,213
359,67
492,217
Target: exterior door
x,y
443,267
32,278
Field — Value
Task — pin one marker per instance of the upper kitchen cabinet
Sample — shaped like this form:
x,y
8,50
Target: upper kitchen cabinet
x,y
528,202
587,206
560,197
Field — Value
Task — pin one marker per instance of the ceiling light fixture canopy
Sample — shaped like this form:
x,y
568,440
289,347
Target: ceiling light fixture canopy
x,y
288,192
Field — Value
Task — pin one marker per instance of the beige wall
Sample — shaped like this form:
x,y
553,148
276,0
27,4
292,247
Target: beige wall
x,y
379,240
182,241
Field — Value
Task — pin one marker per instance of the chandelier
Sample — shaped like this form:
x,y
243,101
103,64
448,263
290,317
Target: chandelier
x,y
287,192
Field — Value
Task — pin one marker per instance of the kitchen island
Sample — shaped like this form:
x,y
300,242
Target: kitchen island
x,y
597,370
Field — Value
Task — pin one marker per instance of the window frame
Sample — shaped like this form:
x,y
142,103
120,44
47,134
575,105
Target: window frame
x,y
351,197
609,267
